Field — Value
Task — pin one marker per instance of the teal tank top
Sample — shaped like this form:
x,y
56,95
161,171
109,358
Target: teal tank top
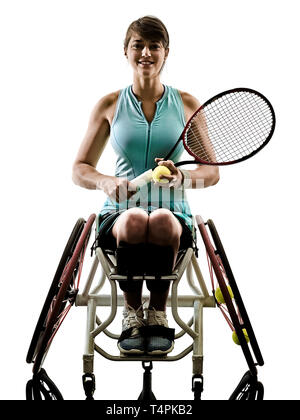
x,y
137,143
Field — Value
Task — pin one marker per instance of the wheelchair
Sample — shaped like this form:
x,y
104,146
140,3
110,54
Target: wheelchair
x,y
64,293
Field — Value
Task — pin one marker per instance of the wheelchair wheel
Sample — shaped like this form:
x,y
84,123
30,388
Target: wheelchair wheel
x,y
238,318
249,389
62,293
68,251
236,292
41,387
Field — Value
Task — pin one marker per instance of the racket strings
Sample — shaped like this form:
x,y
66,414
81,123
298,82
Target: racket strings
x,y
243,116
229,128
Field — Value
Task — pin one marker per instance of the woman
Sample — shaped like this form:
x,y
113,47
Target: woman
x,y
143,121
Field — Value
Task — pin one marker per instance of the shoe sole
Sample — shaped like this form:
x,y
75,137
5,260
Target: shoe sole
x,y
132,351
160,352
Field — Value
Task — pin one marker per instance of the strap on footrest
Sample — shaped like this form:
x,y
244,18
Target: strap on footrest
x,y
125,334
158,331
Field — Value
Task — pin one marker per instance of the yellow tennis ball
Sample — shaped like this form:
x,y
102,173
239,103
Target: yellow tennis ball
x,y
219,295
158,171
235,337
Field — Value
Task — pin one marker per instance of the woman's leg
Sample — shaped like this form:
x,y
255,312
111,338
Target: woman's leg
x,y
131,227
164,230
161,228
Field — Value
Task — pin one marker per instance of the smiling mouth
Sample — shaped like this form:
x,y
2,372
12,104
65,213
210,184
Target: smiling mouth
x,y
146,63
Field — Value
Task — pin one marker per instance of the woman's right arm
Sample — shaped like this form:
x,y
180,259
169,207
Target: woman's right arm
x,y
85,173
84,168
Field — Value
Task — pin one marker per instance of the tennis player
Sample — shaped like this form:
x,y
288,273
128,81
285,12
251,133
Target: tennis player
x,y
142,122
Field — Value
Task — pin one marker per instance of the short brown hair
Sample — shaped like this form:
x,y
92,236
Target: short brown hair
x,y
150,28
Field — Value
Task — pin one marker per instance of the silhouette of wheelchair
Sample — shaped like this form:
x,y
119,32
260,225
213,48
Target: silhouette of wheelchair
x,y
64,292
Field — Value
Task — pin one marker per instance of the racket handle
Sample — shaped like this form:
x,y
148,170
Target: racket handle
x,y
142,179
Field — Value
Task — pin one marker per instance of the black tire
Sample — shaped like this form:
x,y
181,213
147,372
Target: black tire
x,y
236,292
65,297
67,253
197,391
218,267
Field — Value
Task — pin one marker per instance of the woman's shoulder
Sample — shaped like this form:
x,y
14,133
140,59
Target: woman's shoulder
x,y
190,102
108,100
106,105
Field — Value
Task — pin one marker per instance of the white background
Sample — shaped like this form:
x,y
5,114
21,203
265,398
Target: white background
x,y
58,58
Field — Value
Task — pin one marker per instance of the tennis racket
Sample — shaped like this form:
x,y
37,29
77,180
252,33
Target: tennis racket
x,y
229,128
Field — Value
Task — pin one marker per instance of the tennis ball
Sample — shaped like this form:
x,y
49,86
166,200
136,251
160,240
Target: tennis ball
x,y
235,337
219,295
158,171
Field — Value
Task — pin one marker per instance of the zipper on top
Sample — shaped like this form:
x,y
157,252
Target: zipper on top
x,y
148,144
148,131
147,122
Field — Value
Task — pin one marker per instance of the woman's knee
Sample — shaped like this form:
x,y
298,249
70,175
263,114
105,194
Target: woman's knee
x,y
131,226
163,224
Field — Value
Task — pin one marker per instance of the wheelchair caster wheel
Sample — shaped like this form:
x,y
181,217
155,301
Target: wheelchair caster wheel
x,y
89,385
197,386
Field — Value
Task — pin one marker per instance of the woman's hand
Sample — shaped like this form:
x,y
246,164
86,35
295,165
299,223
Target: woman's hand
x,y
118,189
175,178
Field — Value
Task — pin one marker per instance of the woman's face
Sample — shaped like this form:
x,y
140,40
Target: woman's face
x,y
145,57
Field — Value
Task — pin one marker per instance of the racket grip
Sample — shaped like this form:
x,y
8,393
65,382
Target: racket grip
x,y
142,179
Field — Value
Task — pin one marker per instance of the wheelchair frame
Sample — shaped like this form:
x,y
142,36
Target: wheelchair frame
x,y
93,299
248,388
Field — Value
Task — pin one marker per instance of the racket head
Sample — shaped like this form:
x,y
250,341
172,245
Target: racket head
x,y
230,127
